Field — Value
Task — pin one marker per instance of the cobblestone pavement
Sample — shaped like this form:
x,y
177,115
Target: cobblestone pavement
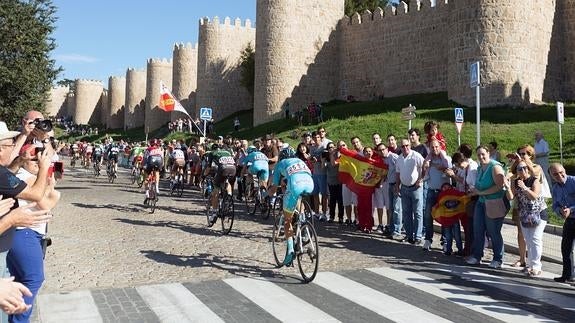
x,y
103,237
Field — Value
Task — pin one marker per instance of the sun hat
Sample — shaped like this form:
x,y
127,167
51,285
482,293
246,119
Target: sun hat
x,y
5,133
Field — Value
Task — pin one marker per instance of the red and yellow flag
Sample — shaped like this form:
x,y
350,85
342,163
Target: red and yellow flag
x,y
167,101
359,173
450,207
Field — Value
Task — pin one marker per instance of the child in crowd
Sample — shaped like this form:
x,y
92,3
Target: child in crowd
x,y
431,128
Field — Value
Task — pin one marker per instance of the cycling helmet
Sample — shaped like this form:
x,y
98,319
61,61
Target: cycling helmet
x,y
287,152
252,149
215,147
154,142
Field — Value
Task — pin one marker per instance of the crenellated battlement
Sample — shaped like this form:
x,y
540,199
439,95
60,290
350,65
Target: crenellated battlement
x,y
187,46
132,69
88,81
114,78
159,61
215,22
390,12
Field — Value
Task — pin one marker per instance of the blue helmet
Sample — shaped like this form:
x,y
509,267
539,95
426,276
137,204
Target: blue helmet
x,y
251,149
287,152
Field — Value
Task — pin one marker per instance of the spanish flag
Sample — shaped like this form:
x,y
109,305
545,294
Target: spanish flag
x,y
361,175
167,101
450,207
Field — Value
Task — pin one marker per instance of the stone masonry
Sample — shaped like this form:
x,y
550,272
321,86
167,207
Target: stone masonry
x,y
87,103
185,76
135,98
219,51
116,102
309,51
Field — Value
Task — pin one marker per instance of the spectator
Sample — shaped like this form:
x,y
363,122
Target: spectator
x,y
392,145
378,196
319,160
414,139
393,202
431,129
526,189
493,152
409,183
334,185
542,152
490,208
376,139
302,152
563,193
237,124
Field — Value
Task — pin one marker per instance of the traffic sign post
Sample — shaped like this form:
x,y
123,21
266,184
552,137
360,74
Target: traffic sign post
x,y
459,123
408,114
206,115
560,121
475,81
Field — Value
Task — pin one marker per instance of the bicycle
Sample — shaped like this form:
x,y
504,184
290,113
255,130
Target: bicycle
x,y
96,169
305,242
177,186
256,197
226,205
151,194
111,172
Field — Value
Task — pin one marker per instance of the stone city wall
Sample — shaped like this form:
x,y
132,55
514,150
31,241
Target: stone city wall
x,y
157,70
219,51
185,76
55,104
393,53
116,102
296,54
135,98
87,101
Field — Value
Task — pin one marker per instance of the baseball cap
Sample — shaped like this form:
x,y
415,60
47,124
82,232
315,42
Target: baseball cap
x,y
5,133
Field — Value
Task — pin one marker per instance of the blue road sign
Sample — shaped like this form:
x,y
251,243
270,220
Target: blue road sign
x,y
206,113
458,115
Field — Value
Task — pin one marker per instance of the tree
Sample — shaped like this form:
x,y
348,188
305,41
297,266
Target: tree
x,y
69,83
352,6
248,69
26,70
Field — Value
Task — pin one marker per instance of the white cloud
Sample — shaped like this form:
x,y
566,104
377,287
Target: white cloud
x,y
76,58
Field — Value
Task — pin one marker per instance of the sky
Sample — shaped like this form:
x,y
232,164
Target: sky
x,y
103,38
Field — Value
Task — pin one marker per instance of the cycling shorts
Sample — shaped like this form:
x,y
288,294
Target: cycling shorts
x,y
97,156
222,173
298,184
113,157
154,162
138,159
262,173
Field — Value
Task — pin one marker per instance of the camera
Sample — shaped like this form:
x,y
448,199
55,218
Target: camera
x,y
43,125
325,154
38,150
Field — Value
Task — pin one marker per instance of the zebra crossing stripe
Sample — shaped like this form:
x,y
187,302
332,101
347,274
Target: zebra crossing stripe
x,y
175,303
78,306
278,302
374,300
477,303
535,292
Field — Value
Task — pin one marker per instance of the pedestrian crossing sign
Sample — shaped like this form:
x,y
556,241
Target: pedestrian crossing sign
x,y
458,115
206,113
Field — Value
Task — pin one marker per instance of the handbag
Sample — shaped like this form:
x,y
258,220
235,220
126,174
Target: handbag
x,y
495,208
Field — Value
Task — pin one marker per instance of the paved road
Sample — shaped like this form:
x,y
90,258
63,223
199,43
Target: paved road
x,y
112,260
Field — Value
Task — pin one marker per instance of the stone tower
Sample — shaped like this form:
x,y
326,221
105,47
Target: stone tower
x,y
56,102
565,18
219,50
102,108
116,102
135,98
87,105
185,76
157,70
510,38
295,43
70,104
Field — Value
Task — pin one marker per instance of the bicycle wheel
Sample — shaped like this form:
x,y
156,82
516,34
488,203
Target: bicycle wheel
x,y
265,207
277,208
307,252
134,176
250,197
152,196
111,176
140,179
227,213
305,208
180,187
279,240
173,187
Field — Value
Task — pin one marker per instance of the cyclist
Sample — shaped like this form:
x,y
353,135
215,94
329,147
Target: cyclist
x,y
178,162
256,163
299,181
112,153
137,156
75,152
221,162
97,154
88,153
154,161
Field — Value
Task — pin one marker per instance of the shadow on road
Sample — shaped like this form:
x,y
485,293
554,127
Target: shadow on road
x,y
108,206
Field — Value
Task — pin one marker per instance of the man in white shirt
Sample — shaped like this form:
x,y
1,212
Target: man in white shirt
x,y
409,183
